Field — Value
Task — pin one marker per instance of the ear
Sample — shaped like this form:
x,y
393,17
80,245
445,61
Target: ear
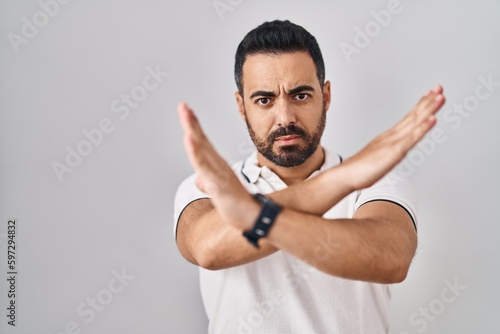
x,y
327,95
241,104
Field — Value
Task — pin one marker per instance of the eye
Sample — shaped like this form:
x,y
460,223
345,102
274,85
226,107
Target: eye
x,y
263,101
302,96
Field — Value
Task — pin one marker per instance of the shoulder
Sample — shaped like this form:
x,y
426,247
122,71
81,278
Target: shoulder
x,y
391,188
188,192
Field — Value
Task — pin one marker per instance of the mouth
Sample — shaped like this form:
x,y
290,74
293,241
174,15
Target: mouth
x,y
288,140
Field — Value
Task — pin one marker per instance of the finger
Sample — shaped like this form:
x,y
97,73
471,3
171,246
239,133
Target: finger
x,y
184,117
421,104
189,122
438,89
419,121
195,141
428,105
428,99
427,122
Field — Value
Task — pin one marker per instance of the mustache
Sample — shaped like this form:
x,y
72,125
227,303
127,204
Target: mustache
x,y
287,131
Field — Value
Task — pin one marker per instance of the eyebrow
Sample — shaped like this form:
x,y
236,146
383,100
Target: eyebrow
x,y
266,93
303,88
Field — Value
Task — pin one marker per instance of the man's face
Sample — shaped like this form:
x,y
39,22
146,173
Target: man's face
x,y
284,106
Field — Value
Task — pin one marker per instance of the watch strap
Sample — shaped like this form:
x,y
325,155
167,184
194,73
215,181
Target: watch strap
x,y
265,220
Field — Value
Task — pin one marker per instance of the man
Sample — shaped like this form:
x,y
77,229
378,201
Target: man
x,y
317,253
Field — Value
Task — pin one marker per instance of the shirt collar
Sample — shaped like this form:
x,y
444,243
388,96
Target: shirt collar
x,y
252,171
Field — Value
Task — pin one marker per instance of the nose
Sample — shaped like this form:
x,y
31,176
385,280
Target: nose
x,y
285,115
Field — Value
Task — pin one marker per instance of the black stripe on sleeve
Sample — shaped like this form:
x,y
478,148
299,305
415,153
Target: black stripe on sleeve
x,y
386,200
178,218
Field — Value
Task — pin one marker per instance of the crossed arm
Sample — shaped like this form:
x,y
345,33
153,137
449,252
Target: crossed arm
x,y
377,245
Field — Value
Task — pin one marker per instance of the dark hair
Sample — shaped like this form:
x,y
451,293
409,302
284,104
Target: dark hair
x,y
277,37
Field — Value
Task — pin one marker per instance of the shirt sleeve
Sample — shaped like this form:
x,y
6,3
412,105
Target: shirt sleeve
x,y
393,189
187,193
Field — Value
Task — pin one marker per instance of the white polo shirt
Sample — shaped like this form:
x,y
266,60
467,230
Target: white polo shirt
x,y
282,294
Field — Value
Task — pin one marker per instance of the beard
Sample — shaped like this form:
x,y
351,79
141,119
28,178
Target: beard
x,y
289,155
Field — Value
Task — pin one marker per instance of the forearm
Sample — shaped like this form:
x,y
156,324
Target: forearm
x,y
364,248
316,195
207,241
368,249
217,245
212,243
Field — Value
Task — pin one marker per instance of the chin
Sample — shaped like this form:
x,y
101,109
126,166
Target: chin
x,y
290,160
291,148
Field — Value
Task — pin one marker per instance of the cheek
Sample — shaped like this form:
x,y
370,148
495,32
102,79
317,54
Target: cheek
x,y
312,120
261,126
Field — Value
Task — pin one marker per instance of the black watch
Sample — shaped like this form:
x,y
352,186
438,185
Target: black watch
x,y
265,220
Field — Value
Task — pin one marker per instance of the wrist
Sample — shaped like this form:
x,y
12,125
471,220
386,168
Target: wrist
x,y
250,212
265,220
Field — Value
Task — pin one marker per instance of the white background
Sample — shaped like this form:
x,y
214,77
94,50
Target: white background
x,y
114,210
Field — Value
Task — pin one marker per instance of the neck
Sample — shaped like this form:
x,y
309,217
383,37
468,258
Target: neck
x,y
292,175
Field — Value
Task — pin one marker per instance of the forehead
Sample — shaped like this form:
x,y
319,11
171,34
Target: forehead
x,y
271,72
